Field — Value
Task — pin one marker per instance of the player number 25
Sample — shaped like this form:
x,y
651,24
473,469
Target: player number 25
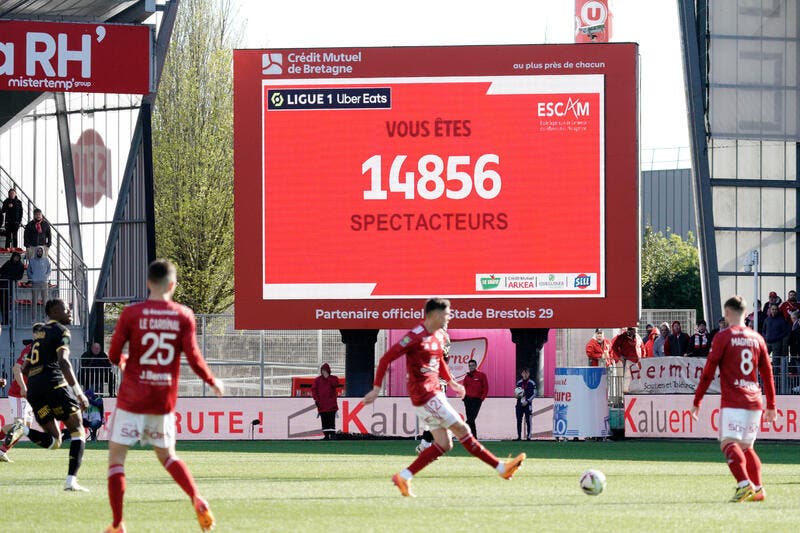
x,y
159,350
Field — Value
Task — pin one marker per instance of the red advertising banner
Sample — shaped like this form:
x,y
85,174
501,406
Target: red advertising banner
x,y
668,416
296,418
383,176
75,57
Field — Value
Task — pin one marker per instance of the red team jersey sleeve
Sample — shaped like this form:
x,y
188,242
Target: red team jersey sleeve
x,y
740,354
191,349
397,351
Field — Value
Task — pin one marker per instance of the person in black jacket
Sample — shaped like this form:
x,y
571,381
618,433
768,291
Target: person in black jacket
x,y
10,273
37,233
12,210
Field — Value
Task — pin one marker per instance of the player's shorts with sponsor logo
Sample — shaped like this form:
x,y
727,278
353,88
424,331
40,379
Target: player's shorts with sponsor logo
x,y
20,408
129,428
739,424
52,401
437,412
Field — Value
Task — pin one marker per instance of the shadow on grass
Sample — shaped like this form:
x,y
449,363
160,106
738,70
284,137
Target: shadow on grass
x,y
628,450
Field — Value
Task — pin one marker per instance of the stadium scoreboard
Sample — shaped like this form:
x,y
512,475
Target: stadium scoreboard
x,y
502,177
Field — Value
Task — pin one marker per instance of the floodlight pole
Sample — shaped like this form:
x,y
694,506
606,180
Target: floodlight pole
x,y
754,261
751,264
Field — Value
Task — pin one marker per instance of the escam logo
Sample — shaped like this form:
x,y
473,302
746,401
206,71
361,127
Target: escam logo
x,y
561,109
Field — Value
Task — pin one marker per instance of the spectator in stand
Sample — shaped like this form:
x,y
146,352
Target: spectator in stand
x,y
791,304
524,407
762,317
37,233
10,273
598,349
324,390
722,325
794,343
700,341
773,299
628,346
660,341
38,275
476,388
652,335
677,344
776,333
96,370
12,209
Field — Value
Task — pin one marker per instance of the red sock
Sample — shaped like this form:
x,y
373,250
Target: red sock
x,y
116,491
180,473
428,455
736,461
474,447
753,466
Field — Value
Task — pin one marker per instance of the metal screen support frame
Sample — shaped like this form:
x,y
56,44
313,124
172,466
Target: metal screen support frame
x,y
704,208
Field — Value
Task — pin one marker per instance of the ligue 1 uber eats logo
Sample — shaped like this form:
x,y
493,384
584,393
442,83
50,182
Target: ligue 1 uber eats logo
x,y
276,99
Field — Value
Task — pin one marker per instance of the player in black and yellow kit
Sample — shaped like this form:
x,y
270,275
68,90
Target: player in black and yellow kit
x,y
53,392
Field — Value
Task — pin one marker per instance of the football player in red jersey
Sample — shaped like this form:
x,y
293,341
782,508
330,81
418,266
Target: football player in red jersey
x,y
423,347
741,354
18,401
157,331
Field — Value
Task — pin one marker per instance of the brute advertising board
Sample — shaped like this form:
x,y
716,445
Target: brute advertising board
x,y
75,57
669,416
370,179
668,375
296,418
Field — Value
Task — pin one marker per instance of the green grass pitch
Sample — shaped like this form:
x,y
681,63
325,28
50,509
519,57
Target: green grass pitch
x,y
345,486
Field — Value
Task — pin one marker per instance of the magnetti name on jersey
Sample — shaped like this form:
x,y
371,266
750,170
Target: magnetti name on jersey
x,y
161,324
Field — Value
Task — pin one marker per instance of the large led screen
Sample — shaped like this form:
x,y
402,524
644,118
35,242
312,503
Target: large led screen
x,y
503,178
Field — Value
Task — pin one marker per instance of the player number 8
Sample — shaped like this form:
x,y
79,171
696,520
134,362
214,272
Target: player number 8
x,y
158,344
746,366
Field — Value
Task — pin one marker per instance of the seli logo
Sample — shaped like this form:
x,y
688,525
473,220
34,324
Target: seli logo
x,y
560,109
490,283
582,281
271,64
276,99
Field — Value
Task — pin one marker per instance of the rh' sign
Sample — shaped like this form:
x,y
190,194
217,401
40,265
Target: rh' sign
x,y
71,57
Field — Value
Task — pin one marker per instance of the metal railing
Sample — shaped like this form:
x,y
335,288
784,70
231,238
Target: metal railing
x,y
69,271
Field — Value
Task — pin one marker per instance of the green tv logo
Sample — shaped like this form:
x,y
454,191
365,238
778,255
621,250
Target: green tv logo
x,y
490,283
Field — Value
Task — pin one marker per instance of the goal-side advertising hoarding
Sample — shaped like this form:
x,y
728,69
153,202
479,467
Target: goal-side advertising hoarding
x,y
502,177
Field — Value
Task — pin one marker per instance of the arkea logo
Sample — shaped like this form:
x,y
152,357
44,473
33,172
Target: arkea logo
x,y
582,281
271,64
490,283
276,99
561,109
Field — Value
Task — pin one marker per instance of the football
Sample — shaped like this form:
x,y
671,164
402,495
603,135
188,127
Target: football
x,y
593,482
518,392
